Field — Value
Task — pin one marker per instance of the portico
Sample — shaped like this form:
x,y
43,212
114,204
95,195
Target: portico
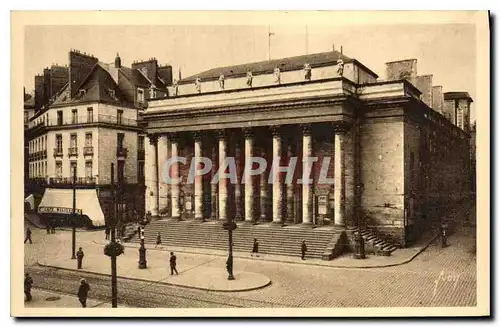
x,y
246,128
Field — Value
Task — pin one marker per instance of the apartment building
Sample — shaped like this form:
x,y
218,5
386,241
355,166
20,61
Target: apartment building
x,y
90,125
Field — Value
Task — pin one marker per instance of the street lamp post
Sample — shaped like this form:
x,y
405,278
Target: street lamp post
x,y
230,226
73,218
113,249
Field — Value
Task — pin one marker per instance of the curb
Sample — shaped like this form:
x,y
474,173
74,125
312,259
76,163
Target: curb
x,y
158,282
402,262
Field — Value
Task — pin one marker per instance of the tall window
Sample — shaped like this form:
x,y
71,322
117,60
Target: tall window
x,y
74,116
90,115
119,141
73,143
25,117
119,117
88,139
59,142
121,168
88,169
140,95
73,169
58,169
59,117
140,142
140,170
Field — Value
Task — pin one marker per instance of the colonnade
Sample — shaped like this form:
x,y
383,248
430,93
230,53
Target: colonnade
x,y
251,197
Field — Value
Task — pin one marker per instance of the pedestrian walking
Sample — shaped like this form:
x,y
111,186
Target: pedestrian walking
x,y
79,257
47,227
107,232
158,239
53,226
83,292
173,264
255,248
28,236
303,249
28,283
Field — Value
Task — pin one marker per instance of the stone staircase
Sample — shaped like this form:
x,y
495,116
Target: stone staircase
x,y
273,239
375,245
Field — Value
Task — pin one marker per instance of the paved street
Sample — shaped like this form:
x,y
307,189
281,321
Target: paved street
x,y
436,277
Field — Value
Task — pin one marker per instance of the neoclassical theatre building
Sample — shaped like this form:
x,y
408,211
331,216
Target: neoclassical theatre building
x,y
398,158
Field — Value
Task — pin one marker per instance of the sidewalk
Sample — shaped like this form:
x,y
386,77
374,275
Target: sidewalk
x,y
49,299
195,271
398,257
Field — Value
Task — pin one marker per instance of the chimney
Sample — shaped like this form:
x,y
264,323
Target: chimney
x,y
165,72
424,84
333,47
437,99
340,49
118,61
401,69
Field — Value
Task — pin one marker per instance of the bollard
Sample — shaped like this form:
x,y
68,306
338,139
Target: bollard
x,y
142,256
359,246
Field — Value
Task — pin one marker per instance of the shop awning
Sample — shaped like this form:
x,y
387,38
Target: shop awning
x,y
60,201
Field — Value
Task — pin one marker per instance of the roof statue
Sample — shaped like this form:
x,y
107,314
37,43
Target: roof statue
x,y
277,75
197,84
307,72
221,81
249,78
340,67
175,87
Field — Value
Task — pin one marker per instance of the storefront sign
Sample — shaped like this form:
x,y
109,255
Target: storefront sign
x,y
59,210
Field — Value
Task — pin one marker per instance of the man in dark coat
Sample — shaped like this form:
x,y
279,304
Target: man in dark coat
x,y
28,283
47,227
303,249
53,226
83,292
173,264
28,236
79,257
255,248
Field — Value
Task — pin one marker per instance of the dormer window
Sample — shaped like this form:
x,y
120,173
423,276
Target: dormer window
x,y
82,92
140,95
112,93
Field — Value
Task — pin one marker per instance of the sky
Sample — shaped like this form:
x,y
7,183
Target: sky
x,y
447,51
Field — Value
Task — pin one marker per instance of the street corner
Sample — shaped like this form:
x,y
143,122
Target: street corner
x,y
216,279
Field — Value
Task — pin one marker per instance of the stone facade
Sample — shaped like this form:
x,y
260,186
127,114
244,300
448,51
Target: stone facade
x,y
390,163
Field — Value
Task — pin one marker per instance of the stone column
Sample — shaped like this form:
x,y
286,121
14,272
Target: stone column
x,y
339,175
307,195
263,188
198,180
249,180
223,189
277,187
213,186
238,191
151,175
163,188
174,174
289,190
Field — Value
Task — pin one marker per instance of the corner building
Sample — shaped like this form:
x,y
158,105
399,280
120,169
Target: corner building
x,y
396,163
90,123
